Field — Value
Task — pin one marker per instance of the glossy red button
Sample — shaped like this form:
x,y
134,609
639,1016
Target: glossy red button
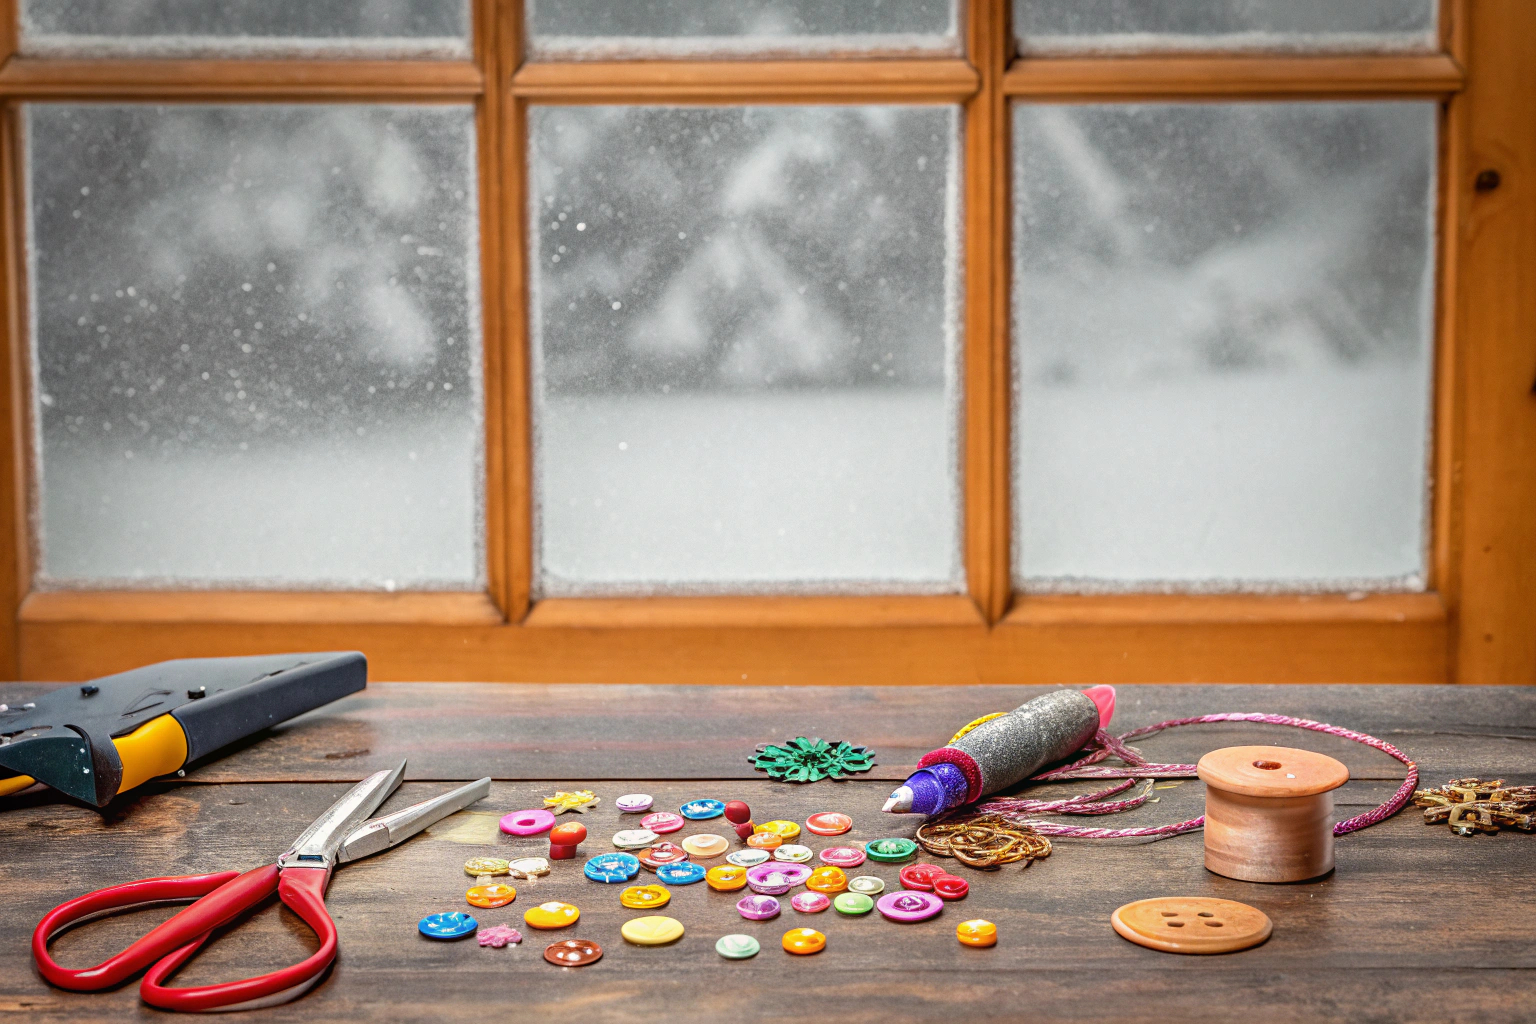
x,y
950,887
921,876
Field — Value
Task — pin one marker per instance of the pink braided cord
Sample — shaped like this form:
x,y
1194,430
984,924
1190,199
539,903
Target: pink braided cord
x,y
1138,768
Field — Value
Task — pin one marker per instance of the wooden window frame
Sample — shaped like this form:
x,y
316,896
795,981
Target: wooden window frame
x,y
1476,622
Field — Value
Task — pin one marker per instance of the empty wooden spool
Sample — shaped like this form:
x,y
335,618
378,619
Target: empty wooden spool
x,y
1269,812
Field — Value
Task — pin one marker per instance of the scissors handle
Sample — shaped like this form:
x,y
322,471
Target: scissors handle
x,y
302,889
223,896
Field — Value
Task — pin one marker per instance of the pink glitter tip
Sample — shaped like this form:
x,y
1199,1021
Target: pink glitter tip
x,y
1104,698
499,936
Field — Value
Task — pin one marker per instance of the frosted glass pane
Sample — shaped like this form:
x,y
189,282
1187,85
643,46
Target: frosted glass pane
x,y
1222,328
602,29
744,339
246,28
1102,26
256,345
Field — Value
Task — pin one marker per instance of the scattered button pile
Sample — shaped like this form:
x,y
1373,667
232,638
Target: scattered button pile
x,y
766,860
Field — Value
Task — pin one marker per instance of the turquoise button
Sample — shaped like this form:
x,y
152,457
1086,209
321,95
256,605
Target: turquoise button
x,y
454,925
612,867
682,873
698,810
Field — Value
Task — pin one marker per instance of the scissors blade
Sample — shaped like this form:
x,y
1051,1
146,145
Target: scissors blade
x,y
392,829
318,846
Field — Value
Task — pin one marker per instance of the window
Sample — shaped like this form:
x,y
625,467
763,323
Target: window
x,y
889,340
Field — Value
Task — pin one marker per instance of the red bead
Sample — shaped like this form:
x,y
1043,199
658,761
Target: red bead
x,y
744,830
921,876
737,812
558,852
950,887
569,834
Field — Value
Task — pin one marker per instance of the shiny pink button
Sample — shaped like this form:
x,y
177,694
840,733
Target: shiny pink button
x,y
843,856
907,905
810,902
776,878
527,823
662,822
758,907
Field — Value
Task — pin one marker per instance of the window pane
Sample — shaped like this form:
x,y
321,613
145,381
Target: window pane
x,y
1099,26
256,345
602,29
1222,324
246,28
745,348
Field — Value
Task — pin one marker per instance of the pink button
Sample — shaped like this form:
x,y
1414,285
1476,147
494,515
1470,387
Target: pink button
x,y
843,856
908,905
776,878
810,902
758,907
527,823
662,822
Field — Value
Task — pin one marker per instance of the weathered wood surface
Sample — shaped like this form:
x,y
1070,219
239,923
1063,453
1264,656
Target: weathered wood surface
x,y
464,730
1415,924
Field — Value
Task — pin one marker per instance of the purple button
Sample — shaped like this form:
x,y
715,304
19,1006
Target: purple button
x,y
757,907
634,803
776,878
909,905
527,823
810,902
843,856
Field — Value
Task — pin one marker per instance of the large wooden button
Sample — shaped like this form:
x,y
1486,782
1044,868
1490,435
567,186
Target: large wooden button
x,y
573,952
1271,771
1191,924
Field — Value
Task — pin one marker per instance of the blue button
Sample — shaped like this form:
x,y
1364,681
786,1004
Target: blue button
x,y
612,867
682,873
454,925
698,810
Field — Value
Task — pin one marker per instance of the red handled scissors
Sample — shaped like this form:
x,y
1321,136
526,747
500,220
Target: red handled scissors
x,y
299,878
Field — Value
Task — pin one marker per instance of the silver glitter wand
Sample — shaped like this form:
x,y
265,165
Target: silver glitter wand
x,y
1004,751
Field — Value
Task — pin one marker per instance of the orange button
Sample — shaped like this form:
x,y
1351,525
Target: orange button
x,y
553,914
726,877
765,840
829,823
491,896
804,941
976,933
827,879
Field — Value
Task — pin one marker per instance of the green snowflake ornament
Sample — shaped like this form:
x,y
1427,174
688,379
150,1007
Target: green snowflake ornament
x,y
803,760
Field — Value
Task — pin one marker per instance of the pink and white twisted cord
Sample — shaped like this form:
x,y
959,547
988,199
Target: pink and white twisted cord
x,y
1138,768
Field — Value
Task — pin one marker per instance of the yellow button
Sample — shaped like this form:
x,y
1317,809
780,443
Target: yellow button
x,y
551,915
491,896
976,933
782,829
827,879
804,941
477,866
643,897
652,931
726,877
705,845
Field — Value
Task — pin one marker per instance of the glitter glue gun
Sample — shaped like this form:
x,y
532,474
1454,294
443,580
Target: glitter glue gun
x,y
994,753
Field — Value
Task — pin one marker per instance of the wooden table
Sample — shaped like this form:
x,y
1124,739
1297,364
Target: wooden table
x,y
1415,924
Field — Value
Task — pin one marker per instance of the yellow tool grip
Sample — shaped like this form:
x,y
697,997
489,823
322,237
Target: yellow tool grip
x,y
158,747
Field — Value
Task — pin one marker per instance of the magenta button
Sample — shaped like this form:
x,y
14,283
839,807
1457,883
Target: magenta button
x,y
527,823
662,822
810,902
843,856
757,907
908,905
776,878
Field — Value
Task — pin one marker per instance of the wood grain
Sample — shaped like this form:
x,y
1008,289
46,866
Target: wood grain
x,y
763,81
1227,77
192,80
1393,929
1496,340
663,732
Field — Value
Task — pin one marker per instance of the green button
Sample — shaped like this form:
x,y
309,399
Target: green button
x,y
853,903
890,850
737,947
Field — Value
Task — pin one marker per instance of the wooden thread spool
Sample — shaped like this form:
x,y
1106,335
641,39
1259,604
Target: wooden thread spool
x,y
1269,812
